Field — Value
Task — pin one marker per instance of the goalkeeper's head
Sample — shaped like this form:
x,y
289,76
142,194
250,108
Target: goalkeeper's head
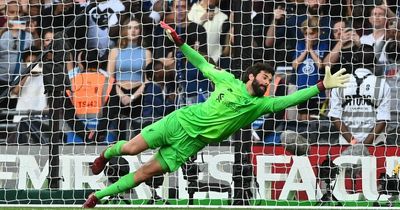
x,y
257,78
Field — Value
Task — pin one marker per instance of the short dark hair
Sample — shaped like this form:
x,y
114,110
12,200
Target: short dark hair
x,y
257,68
45,31
149,70
365,57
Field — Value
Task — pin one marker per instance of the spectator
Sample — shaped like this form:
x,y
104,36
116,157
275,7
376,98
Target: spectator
x,y
12,11
378,20
379,38
190,82
194,34
258,51
208,14
33,28
58,15
345,42
30,85
284,30
13,41
390,60
308,63
157,10
90,105
155,103
48,37
227,54
100,21
34,10
360,11
126,64
360,110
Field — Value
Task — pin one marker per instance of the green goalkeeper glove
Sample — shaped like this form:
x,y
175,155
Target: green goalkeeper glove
x,y
333,81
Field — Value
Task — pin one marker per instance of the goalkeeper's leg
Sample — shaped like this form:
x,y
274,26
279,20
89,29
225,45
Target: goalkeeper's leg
x,y
133,147
154,167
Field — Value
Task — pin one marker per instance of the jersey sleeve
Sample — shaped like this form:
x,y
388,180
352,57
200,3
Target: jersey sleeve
x,y
276,104
383,110
206,68
335,104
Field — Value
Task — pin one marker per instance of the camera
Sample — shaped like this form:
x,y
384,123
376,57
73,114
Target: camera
x,y
191,172
327,172
348,24
389,185
117,167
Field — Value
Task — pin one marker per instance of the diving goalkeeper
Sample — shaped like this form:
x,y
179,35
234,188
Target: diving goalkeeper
x,y
184,132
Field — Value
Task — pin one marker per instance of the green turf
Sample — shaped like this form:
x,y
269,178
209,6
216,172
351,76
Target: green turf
x,y
47,208
77,198
260,202
172,208
42,208
18,208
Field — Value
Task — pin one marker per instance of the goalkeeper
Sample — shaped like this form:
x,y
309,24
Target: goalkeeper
x,y
186,131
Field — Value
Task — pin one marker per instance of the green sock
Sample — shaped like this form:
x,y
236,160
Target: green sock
x,y
115,150
123,184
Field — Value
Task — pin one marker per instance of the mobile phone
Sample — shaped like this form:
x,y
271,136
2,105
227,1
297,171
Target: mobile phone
x,y
18,22
348,24
348,30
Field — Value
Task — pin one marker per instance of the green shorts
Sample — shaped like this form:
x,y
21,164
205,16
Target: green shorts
x,y
176,146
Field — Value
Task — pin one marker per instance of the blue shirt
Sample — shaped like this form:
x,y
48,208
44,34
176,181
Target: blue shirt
x,y
292,28
290,31
9,50
130,63
307,72
154,103
192,80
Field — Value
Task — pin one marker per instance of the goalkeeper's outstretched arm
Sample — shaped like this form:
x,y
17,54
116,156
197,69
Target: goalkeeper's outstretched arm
x,y
192,55
337,80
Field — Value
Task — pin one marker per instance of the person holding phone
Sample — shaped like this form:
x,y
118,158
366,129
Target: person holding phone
x,y
208,14
13,40
285,28
345,42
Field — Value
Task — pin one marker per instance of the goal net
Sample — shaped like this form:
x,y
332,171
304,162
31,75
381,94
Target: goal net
x,y
77,76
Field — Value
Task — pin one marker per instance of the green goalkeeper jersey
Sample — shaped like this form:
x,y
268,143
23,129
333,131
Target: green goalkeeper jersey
x,y
230,106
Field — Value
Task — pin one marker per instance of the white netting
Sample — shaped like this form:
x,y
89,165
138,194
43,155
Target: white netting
x,y
77,76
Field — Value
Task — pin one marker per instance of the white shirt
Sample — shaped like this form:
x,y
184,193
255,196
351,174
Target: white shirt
x,y
392,74
370,39
213,28
359,116
32,96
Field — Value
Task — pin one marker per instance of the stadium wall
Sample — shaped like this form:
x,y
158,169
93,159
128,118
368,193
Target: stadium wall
x,y
280,175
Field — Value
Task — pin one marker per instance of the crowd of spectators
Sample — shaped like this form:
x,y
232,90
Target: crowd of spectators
x,y
151,77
